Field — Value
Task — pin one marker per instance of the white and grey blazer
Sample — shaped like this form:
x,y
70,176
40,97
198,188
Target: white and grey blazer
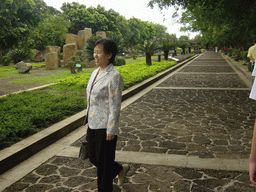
x,y
104,96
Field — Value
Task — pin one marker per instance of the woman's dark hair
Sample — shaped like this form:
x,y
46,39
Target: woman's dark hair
x,y
109,46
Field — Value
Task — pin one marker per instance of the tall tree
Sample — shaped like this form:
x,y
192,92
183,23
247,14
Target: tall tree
x,y
51,31
16,19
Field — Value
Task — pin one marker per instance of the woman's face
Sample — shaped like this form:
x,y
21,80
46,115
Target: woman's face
x,y
101,58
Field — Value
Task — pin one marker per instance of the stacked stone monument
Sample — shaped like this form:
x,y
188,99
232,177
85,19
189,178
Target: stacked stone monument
x,y
73,43
78,42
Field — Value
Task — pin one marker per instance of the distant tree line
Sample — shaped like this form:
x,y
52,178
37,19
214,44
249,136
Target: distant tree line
x,y
223,23
31,24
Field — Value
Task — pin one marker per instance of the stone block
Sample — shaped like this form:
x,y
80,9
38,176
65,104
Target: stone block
x,y
23,67
39,55
52,49
69,50
71,38
51,60
83,36
101,34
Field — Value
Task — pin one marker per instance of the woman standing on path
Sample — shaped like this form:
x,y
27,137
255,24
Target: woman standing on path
x,y
104,95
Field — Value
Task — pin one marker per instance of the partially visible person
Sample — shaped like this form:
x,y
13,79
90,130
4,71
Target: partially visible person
x,y
252,56
104,95
252,160
216,49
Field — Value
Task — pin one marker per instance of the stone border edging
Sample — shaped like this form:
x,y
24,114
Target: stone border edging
x,y
19,152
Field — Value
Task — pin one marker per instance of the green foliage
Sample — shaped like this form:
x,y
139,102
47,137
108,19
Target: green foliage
x,y
119,61
29,112
51,31
148,48
235,52
166,46
89,48
230,52
6,60
79,80
138,72
131,73
17,18
22,54
72,61
225,23
244,56
4,69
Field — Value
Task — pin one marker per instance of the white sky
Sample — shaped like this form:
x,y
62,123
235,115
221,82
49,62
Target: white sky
x,y
132,8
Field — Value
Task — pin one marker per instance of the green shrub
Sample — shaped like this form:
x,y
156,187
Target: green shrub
x,y
72,61
18,55
6,60
131,73
138,72
230,52
244,56
29,112
119,62
235,52
61,56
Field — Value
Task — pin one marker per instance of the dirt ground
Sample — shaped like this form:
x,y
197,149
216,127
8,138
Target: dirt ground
x,y
6,87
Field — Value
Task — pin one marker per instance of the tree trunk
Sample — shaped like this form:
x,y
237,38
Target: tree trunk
x,y
166,52
148,58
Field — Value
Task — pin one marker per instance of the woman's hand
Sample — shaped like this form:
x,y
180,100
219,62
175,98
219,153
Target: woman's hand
x,y
110,137
252,172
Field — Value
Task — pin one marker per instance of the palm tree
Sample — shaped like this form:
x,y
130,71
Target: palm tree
x,y
149,48
89,48
166,47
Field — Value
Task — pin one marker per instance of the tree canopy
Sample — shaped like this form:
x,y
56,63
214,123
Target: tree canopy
x,y
223,23
33,24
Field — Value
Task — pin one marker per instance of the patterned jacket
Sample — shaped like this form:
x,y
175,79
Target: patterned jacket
x,y
104,98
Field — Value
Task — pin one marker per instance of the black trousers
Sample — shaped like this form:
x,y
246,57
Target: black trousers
x,y
102,154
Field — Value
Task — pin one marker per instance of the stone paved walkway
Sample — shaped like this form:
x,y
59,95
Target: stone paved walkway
x,y
200,111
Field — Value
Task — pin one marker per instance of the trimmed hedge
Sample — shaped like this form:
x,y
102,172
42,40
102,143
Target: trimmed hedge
x,y
131,73
29,112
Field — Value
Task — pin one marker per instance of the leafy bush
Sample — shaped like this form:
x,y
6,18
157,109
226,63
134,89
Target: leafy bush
x,y
29,112
72,63
119,62
235,52
61,56
244,56
18,55
230,52
6,60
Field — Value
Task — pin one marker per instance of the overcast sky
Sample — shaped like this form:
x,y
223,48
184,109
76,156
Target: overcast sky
x,y
132,8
